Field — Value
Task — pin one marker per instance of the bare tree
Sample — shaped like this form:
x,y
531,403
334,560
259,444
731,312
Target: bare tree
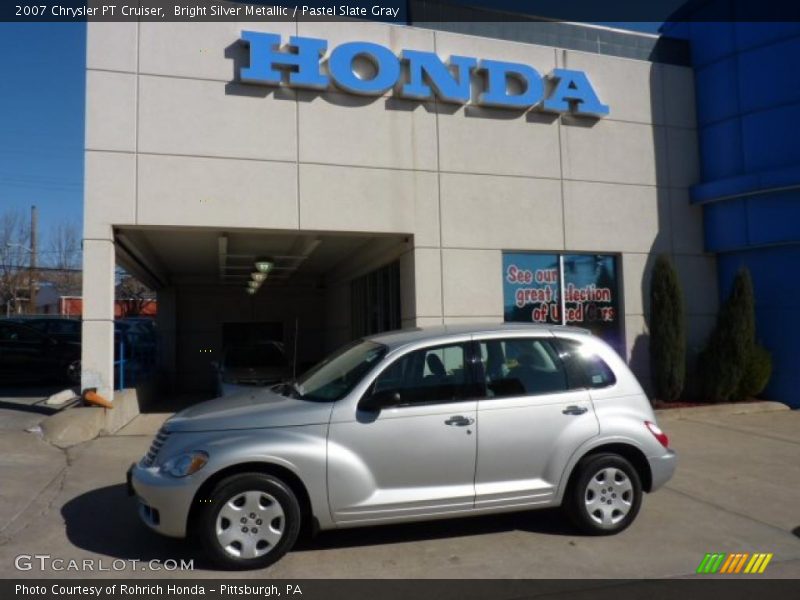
x,y
63,258
14,261
132,295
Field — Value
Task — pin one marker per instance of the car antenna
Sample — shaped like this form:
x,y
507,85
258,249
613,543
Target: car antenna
x,y
294,352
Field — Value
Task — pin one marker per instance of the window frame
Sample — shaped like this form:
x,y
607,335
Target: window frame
x,y
563,345
471,385
479,372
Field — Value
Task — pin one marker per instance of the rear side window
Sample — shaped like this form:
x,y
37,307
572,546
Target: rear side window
x,y
521,367
585,368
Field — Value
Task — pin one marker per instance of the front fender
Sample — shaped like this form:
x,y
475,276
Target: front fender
x,y
301,450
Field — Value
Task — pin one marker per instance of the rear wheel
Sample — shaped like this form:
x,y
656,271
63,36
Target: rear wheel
x,y
250,521
605,495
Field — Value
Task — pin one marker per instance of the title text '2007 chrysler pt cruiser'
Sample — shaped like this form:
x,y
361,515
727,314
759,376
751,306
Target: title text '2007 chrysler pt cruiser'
x,y
405,426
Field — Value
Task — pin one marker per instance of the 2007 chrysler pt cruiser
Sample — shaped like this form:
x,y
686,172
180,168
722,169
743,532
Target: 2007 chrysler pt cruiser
x,y
405,426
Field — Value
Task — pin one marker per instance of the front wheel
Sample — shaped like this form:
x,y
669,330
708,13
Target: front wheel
x,y
605,496
249,522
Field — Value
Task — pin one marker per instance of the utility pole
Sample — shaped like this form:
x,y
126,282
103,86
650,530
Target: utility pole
x,y
33,261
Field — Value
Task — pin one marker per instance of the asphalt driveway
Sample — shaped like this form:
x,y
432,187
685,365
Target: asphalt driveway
x,y
737,489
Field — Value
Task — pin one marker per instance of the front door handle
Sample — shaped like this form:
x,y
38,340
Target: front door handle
x,y
575,410
459,421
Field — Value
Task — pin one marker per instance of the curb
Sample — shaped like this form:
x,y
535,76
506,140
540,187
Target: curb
x,y
717,410
79,424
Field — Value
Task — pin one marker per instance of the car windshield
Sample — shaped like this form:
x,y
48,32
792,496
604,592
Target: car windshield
x,y
263,355
335,376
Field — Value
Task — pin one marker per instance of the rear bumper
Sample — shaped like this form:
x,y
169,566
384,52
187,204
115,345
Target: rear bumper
x,y
662,468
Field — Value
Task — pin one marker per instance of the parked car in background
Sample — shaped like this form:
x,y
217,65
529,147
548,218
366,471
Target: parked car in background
x,y
410,425
66,329
251,366
28,355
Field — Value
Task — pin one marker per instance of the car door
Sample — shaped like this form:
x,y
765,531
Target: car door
x,y
531,421
413,459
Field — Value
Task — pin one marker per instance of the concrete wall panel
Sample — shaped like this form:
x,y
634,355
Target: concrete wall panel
x,y
217,192
111,106
481,211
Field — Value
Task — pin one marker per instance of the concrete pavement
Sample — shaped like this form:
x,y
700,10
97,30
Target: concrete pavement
x,y
737,489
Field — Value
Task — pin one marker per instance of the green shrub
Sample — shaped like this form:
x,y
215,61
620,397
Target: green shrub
x,y
723,362
756,374
667,332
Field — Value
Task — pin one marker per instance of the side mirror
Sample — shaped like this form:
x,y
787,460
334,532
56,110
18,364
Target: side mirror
x,y
379,400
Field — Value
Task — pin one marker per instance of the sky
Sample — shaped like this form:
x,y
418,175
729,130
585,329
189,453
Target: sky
x,y
42,118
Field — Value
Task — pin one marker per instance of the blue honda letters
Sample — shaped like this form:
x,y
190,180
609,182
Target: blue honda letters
x,y
416,75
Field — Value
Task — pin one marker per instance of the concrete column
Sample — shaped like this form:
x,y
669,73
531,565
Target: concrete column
x,y
421,287
97,348
167,327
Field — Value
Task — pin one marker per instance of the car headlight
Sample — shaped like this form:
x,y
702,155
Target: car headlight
x,y
185,464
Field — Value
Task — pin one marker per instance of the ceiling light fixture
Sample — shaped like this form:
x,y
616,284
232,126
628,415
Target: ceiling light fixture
x,y
264,265
258,276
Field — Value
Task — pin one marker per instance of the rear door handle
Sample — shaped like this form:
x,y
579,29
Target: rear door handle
x,y
575,410
459,421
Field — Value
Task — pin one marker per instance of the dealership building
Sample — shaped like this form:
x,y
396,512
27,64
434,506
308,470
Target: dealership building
x,y
386,176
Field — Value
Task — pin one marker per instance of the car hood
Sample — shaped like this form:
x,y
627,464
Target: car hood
x,y
249,410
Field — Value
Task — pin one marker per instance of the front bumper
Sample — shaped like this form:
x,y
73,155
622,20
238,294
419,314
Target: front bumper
x,y
164,501
662,468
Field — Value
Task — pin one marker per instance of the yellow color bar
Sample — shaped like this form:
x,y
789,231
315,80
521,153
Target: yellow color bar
x,y
765,563
753,564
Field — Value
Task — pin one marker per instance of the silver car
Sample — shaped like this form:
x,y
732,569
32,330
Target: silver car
x,y
406,426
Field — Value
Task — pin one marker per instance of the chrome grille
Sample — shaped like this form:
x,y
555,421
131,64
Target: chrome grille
x,y
155,447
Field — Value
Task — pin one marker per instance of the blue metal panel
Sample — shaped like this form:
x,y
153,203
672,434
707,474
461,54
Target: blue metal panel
x,y
725,225
716,92
711,41
767,77
720,150
748,108
769,138
750,35
774,219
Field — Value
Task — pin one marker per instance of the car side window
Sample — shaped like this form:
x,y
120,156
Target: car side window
x,y
521,367
586,369
426,376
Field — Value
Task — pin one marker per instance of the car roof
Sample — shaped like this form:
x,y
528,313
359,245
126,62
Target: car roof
x,y
402,337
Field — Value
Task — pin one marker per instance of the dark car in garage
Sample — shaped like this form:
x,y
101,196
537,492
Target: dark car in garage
x,y
27,355
62,329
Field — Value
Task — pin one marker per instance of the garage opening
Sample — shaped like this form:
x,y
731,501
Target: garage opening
x,y
321,291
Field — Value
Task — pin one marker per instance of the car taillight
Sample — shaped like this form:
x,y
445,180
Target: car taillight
x,y
659,435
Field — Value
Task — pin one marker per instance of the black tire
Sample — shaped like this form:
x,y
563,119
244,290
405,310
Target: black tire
x,y
587,507
235,488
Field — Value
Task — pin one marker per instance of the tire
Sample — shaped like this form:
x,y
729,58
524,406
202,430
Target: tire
x,y
250,521
605,495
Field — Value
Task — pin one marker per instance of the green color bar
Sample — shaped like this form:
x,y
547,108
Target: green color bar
x,y
702,567
717,563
